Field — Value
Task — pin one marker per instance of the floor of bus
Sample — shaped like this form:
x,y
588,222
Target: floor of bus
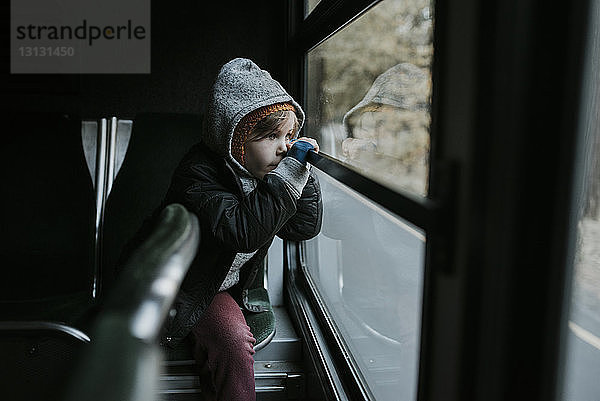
x,y
278,369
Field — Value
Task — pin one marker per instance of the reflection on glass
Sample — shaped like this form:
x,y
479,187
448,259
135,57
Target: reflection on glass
x,y
582,369
368,267
310,5
368,94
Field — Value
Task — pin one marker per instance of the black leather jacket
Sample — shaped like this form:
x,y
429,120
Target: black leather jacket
x,y
230,223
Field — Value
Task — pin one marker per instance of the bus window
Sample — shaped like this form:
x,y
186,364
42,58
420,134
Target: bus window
x,y
367,266
310,5
583,333
368,104
368,94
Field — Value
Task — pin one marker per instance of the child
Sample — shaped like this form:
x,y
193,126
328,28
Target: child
x,y
247,181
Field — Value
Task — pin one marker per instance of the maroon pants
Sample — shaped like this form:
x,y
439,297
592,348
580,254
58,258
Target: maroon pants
x,y
223,351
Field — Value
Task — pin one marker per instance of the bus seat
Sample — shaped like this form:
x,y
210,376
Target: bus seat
x,y
47,252
38,358
122,362
47,212
157,144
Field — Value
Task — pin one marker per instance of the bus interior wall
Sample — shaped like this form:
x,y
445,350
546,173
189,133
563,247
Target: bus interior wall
x,y
188,45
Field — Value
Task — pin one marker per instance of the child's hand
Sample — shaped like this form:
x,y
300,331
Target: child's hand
x,y
354,148
298,148
312,141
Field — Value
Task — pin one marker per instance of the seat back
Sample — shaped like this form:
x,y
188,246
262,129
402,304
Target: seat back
x,y
125,352
37,359
158,142
47,209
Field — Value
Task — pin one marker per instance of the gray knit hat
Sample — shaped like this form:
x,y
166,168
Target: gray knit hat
x,y
240,88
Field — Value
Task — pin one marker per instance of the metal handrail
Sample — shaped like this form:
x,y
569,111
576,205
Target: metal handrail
x,y
420,211
30,326
100,181
123,360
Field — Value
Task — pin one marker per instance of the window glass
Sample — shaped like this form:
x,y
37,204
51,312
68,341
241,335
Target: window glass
x,y
368,265
583,341
310,5
368,94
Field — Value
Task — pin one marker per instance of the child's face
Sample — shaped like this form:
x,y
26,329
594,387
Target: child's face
x,y
264,153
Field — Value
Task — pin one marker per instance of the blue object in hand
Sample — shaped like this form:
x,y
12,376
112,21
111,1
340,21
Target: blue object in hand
x,y
299,150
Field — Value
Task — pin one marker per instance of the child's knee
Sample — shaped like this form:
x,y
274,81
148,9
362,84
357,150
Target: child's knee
x,y
236,338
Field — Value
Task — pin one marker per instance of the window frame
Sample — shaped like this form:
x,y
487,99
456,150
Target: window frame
x,y
430,213
500,224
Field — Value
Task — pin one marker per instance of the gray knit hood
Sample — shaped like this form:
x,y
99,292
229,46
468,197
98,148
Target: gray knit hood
x,y
240,88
